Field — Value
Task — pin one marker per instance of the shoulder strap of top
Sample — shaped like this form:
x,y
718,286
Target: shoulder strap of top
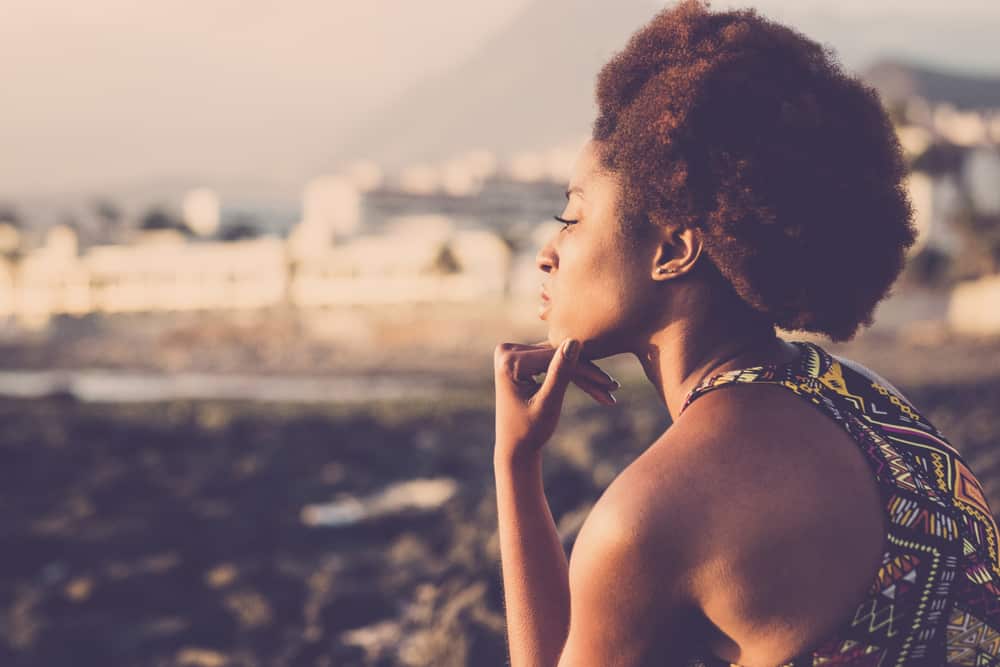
x,y
799,374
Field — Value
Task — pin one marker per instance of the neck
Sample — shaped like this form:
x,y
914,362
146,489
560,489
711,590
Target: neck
x,y
684,352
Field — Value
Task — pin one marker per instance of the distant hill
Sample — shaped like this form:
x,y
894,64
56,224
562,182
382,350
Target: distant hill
x,y
896,80
530,86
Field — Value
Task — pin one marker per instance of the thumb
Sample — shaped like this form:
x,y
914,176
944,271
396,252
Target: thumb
x,y
559,373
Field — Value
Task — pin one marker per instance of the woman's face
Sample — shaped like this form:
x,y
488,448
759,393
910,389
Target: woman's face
x,y
598,282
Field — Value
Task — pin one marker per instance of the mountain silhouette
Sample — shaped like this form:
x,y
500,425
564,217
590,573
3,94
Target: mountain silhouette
x,y
897,80
530,86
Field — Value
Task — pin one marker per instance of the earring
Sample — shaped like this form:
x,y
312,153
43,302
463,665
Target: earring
x,y
664,269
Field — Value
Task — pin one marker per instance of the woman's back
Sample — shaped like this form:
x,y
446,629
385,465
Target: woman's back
x,y
934,598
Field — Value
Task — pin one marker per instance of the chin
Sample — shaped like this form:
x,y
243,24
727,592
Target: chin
x,y
596,344
554,338
557,332
557,336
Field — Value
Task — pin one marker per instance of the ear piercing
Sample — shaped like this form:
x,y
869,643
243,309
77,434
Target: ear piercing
x,y
664,269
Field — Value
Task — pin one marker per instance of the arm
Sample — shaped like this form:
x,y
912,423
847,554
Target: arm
x,y
535,570
536,586
536,576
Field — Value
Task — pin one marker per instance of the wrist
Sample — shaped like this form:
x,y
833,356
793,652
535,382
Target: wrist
x,y
515,456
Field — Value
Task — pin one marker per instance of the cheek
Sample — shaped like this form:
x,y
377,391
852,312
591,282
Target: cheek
x,y
596,295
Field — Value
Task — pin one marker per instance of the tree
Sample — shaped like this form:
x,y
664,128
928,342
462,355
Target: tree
x,y
445,262
939,158
159,218
10,215
107,212
240,228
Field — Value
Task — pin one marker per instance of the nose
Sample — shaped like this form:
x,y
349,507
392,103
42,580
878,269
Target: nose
x,y
546,258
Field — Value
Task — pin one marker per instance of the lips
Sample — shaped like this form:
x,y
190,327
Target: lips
x,y
546,304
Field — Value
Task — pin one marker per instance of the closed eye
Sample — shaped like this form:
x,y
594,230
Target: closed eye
x,y
565,222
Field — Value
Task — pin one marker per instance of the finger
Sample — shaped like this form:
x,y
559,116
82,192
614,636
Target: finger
x,y
558,375
592,372
599,393
534,360
582,365
525,364
513,364
546,343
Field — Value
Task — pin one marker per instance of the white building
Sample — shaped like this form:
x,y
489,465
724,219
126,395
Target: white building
x,y
981,177
936,201
200,211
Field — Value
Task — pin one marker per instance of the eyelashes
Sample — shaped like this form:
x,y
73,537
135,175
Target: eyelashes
x,y
565,221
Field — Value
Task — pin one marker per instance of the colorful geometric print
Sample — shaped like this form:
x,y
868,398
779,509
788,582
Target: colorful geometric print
x,y
936,598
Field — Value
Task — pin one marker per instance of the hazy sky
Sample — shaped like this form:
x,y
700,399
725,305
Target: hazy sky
x,y
957,34
116,90
104,93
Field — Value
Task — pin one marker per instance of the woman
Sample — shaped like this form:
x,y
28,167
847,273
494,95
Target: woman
x,y
737,180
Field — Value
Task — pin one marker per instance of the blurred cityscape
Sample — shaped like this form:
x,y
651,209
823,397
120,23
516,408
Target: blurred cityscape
x,y
464,230
452,232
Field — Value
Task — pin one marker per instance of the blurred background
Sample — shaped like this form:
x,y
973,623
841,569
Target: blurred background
x,y
254,259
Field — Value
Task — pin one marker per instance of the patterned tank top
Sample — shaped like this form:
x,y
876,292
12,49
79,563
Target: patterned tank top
x,y
935,600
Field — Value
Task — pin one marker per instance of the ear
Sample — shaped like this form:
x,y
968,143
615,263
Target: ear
x,y
677,248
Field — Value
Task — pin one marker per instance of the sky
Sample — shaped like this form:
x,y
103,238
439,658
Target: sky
x,y
108,91
101,94
956,34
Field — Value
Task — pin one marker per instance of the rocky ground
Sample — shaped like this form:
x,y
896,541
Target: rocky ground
x,y
173,533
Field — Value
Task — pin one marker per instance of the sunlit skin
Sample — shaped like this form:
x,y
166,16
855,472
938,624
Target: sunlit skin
x,y
648,578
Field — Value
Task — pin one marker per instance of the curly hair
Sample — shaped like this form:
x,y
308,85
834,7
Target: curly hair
x,y
752,132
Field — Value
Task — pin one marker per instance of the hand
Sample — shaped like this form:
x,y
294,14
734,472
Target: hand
x,y
527,412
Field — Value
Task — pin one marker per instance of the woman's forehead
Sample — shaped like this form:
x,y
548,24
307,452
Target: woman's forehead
x,y
589,173
588,160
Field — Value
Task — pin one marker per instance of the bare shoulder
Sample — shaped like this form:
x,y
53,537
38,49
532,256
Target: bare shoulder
x,y
772,460
764,491
659,504
644,535
671,498
745,465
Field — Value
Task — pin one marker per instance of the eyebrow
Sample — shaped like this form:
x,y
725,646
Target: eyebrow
x,y
575,188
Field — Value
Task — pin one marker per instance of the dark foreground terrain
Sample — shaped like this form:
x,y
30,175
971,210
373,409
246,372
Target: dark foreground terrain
x,y
172,533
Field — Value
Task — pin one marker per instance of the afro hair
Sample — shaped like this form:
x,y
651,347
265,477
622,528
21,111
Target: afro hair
x,y
752,132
